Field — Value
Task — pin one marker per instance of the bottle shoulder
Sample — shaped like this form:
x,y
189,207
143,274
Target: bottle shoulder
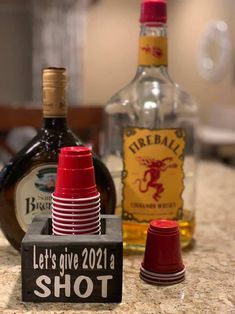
x,y
42,149
47,141
151,91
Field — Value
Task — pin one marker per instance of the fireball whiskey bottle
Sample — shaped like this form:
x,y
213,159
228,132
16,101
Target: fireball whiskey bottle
x,y
27,181
150,139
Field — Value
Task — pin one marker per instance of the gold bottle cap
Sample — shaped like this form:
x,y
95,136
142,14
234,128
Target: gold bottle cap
x,y
54,77
54,89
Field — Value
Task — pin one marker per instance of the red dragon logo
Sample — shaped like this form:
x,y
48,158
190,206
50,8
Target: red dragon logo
x,y
153,174
154,51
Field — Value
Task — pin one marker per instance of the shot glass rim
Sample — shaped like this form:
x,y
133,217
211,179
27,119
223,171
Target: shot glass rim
x,y
75,199
161,282
76,215
162,275
76,225
75,210
75,205
70,230
77,234
69,219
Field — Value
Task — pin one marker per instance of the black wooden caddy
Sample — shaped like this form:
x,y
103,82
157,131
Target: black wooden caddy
x,y
84,268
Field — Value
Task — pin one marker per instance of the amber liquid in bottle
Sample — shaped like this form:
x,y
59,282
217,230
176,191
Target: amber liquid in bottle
x,y
28,179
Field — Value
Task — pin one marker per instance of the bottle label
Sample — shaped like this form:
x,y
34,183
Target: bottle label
x,y
153,51
153,174
33,194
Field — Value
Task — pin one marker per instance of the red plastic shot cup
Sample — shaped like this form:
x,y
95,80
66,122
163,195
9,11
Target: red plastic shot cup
x,y
75,216
83,208
71,217
89,230
71,212
76,200
78,205
77,225
93,232
75,209
75,173
162,263
72,220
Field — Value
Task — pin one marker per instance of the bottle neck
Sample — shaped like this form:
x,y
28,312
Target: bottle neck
x,y
59,123
153,52
54,105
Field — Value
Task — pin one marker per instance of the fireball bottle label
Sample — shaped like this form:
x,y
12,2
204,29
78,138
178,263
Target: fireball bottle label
x,y
33,194
153,174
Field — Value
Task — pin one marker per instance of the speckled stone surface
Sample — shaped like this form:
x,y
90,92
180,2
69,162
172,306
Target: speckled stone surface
x,y
210,279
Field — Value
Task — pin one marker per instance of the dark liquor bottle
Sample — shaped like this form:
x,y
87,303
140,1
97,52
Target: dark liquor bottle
x,y
28,180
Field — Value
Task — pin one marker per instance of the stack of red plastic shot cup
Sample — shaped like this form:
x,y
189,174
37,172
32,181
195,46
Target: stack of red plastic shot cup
x,y
162,263
75,201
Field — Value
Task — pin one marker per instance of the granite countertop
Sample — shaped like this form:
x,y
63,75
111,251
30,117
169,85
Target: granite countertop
x,y
210,278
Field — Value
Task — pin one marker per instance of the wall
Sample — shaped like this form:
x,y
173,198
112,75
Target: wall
x,y
35,34
187,21
110,53
16,52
